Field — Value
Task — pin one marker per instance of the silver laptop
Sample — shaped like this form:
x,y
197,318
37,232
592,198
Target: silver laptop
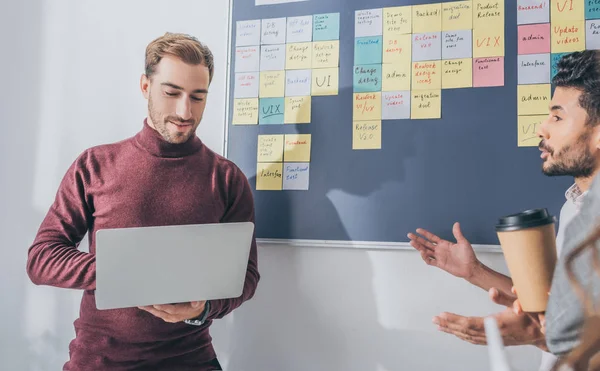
x,y
171,264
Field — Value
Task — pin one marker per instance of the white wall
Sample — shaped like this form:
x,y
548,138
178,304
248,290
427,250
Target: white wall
x,y
71,81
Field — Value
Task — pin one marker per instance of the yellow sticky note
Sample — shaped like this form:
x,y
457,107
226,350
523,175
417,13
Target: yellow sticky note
x,y
457,15
568,10
396,76
488,42
457,73
298,56
245,112
427,18
533,99
270,148
397,20
297,110
527,130
297,148
366,135
367,106
325,81
427,75
269,176
326,54
397,48
272,84
488,13
567,36
426,104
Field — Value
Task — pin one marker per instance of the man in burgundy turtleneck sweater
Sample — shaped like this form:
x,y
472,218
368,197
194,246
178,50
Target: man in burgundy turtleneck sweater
x,y
164,175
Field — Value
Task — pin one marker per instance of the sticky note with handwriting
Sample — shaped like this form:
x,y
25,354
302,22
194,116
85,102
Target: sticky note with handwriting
x,y
488,72
297,110
533,99
272,57
427,75
298,56
457,44
527,130
396,76
592,9
488,42
397,48
397,20
457,15
366,134
427,18
426,104
368,50
395,105
534,38
457,73
297,148
367,106
325,81
592,34
368,22
247,33
271,111
272,84
568,36
246,85
567,10
245,111
367,78
297,83
534,69
247,59
488,13
427,46
270,148
533,11
269,176
326,27
299,29
296,176
326,54
273,31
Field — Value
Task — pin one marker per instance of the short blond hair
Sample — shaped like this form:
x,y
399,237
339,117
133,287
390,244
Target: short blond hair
x,y
183,46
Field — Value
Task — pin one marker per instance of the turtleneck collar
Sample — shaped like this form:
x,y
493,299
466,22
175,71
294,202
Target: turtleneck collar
x,y
153,142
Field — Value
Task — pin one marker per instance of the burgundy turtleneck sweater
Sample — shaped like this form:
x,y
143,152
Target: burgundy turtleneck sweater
x,y
138,182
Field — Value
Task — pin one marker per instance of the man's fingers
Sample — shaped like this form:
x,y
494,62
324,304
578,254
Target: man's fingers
x,y
473,339
428,235
160,314
471,326
501,298
421,242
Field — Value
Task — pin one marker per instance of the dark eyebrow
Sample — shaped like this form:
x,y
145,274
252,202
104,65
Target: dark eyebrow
x,y
171,85
556,108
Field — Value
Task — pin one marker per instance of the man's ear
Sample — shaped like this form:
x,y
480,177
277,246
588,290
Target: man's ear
x,y
145,86
596,137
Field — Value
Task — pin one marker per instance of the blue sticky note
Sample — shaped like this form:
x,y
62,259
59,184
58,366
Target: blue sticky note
x,y
271,111
368,50
367,78
326,27
592,9
555,57
295,175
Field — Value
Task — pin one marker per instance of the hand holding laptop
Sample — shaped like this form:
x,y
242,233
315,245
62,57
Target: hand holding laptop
x,y
174,313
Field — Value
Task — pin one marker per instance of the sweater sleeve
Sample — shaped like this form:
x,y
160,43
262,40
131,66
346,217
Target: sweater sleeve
x,y
54,258
241,209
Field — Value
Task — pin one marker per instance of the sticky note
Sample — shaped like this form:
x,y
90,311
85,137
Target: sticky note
x,y
297,110
592,34
397,48
488,42
533,99
299,29
395,105
397,20
297,83
367,78
554,58
427,75
533,11
368,22
427,46
298,56
457,73
326,54
326,27
246,85
488,13
272,84
296,176
568,36
457,15
457,44
297,148
247,59
527,127
367,106
567,10
247,33
271,111
426,104
270,148
534,69
272,57
366,134
325,81
427,18
396,76
488,72
273,31
368,50
534,38
269,176
592,9
245,111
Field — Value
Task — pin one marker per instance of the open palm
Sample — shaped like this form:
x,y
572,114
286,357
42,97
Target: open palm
x,y
457,258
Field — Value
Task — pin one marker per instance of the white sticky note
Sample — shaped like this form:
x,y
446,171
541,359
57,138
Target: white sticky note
x,y
533,11
299,29
368,22
273,31
592,34
457,44
296,176
426,46
246,85
534,69
272,57
247,59
247,33
395,105
297,83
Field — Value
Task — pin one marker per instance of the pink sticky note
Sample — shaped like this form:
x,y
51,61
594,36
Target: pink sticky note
x,y
488,71
534,38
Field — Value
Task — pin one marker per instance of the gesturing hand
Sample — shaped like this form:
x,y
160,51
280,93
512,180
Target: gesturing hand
x,y
174,313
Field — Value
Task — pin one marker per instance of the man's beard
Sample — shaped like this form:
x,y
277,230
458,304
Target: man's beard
x,y
573,160
161,125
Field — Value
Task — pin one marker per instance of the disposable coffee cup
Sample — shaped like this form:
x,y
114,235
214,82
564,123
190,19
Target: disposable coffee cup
x,y
528,241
